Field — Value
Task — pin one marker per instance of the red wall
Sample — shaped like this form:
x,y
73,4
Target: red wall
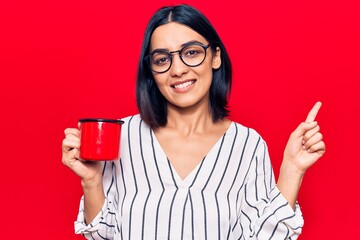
x,y
63,60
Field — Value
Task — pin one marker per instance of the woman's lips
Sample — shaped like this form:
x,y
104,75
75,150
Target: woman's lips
x,y
183,84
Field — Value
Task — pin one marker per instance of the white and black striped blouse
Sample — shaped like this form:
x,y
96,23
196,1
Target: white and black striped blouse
x,y
231,194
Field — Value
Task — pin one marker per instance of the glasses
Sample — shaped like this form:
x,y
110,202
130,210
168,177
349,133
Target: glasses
x,y
191,55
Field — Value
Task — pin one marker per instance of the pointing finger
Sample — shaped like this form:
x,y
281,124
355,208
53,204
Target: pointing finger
x,y
313,112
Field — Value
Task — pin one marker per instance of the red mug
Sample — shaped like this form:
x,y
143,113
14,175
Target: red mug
x,y
100,139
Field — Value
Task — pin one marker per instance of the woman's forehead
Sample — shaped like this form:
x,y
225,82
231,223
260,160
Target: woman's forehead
x,y
173,35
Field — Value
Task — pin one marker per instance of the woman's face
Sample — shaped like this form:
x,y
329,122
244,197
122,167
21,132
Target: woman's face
x,y
181,85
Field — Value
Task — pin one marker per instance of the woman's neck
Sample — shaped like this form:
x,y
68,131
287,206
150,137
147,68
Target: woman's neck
x,y
190,120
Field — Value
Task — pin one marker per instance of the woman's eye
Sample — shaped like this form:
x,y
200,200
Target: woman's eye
x,y
160,60
190,53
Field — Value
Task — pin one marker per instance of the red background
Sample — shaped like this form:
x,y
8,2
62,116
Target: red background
x,y
63,60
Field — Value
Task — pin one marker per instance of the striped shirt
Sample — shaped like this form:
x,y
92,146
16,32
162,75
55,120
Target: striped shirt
x,y
231,194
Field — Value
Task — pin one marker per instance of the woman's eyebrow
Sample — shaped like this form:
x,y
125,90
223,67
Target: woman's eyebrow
x,y
182,45
160,50
190,43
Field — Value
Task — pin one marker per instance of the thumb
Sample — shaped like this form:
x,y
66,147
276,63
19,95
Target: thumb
x,y
303,128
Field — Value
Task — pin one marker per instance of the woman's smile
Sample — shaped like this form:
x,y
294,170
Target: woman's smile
x,y
183,86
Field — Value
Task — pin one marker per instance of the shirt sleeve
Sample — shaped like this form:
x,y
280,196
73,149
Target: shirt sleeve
x,y
265,213
105,224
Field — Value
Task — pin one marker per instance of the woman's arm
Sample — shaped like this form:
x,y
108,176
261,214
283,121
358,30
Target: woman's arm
x,y
90,173
94,198
305,146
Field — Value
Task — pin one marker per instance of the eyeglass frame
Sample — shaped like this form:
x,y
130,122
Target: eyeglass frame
x,y
149,56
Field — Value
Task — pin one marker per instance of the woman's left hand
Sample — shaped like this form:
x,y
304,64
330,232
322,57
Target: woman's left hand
x,y
305,145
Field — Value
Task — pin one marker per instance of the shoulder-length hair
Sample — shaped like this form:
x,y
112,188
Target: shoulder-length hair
x,y
151,103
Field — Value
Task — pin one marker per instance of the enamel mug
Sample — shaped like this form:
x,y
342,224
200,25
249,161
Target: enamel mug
x,y
100,139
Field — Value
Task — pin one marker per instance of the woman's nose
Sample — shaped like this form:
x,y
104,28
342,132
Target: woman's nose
x,y
178,67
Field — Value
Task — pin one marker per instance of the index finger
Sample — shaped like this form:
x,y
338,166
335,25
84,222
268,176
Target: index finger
x,y
73,131
313,112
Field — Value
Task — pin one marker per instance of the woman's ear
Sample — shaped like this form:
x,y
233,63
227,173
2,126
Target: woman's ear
x,y
216,61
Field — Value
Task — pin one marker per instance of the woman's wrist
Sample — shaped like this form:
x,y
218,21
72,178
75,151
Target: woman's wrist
x,y
91,184
289,182
291,171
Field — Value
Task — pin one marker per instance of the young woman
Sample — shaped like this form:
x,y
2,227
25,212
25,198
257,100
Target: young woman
x,y
186,171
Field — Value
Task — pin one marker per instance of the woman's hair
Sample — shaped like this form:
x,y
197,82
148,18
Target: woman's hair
x,y
151,103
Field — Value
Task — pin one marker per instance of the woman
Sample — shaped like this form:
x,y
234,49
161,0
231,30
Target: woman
x,y
186,171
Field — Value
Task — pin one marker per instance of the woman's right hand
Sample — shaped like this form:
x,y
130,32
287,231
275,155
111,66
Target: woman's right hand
x,y
90,172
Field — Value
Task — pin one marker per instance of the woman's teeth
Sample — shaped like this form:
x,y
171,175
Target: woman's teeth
x,y
184,85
